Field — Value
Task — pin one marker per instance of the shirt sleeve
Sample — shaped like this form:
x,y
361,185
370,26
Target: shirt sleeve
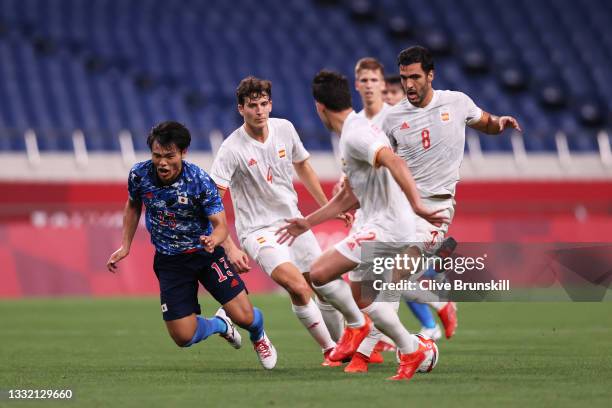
x,y
134,186
472,112
210,200
363,145
299,152
223,168
388,130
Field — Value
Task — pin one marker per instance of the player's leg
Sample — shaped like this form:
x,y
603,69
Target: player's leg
x,y
226,286
179,300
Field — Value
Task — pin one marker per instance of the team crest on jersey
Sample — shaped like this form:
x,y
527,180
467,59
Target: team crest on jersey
x,y
282,153
445,115
261,240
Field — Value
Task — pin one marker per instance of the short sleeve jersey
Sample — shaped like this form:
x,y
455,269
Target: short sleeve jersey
x,y
431,139
260,175
382,202
176,215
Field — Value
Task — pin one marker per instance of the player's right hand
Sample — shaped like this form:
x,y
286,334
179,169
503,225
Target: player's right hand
x,y
239,259
435,217
293,229
116,256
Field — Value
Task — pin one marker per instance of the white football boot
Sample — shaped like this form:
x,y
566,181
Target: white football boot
x,y
266,352
232,335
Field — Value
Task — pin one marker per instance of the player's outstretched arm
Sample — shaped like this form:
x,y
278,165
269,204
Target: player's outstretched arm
x,y
235,255
131,216
494,125
219,233
309,178
401,174
344,201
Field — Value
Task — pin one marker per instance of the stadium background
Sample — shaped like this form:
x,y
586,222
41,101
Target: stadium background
x,y
81,82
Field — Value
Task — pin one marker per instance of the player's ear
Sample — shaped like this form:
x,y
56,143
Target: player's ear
x,y
241,110
430,76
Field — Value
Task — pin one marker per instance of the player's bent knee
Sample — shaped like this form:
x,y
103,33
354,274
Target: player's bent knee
x,y
182,339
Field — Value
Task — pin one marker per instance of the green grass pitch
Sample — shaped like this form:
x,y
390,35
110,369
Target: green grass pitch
x,y
115,352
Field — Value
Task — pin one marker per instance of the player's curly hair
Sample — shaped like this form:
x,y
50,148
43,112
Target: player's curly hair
x,y
332,90
253,88
168,133
416,54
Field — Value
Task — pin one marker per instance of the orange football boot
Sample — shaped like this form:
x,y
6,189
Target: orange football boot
x,y
350,340
448,316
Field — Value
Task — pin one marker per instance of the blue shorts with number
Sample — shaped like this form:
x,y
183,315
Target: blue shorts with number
x,y
179,275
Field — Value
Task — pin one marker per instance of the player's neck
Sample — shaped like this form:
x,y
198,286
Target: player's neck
x,y
336,120
259,134
373,109
427,99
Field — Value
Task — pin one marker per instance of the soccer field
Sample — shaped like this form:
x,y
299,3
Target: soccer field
x,y
116,352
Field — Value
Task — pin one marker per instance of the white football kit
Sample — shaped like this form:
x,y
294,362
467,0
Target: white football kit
x,y
260,177
431,140
386,215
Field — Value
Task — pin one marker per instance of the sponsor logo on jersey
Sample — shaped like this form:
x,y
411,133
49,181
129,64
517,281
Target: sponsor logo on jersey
x,y
404,126
252,162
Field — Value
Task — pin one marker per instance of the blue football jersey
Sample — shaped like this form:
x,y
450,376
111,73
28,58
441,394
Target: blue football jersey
x,y
177,214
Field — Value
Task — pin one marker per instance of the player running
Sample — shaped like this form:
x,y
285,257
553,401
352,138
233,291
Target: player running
x,y
186,220
256,162
427,130
370,83
379,182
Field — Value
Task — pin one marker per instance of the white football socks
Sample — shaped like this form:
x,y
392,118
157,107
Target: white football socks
x,y
333,319
387,321
338,294
311,318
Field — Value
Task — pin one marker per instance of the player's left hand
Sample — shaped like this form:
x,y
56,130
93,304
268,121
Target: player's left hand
x,y
293,229
506,122
209,243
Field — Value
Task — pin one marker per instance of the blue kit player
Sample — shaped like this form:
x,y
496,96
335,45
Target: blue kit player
x,y
185,217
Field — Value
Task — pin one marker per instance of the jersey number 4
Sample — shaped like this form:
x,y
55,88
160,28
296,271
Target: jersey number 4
x,y
217,268
425,141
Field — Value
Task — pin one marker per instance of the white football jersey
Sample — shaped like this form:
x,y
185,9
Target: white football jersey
x,y
431,139
260,175
379,118
382,202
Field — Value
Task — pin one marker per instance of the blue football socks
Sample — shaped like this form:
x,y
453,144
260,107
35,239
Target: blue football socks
x,y
256,329
206,328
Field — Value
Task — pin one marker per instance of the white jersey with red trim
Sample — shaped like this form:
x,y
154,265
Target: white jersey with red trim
x,y
379,118
383,203
431,139
260,175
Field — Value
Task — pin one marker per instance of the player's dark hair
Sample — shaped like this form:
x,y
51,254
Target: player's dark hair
x,y
253,88
371,64
393,80
169,132
332,90
416,54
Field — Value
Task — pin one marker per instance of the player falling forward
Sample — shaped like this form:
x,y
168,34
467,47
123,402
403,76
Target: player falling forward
x,y
256,162
379,182
185,217
371,85
427,130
